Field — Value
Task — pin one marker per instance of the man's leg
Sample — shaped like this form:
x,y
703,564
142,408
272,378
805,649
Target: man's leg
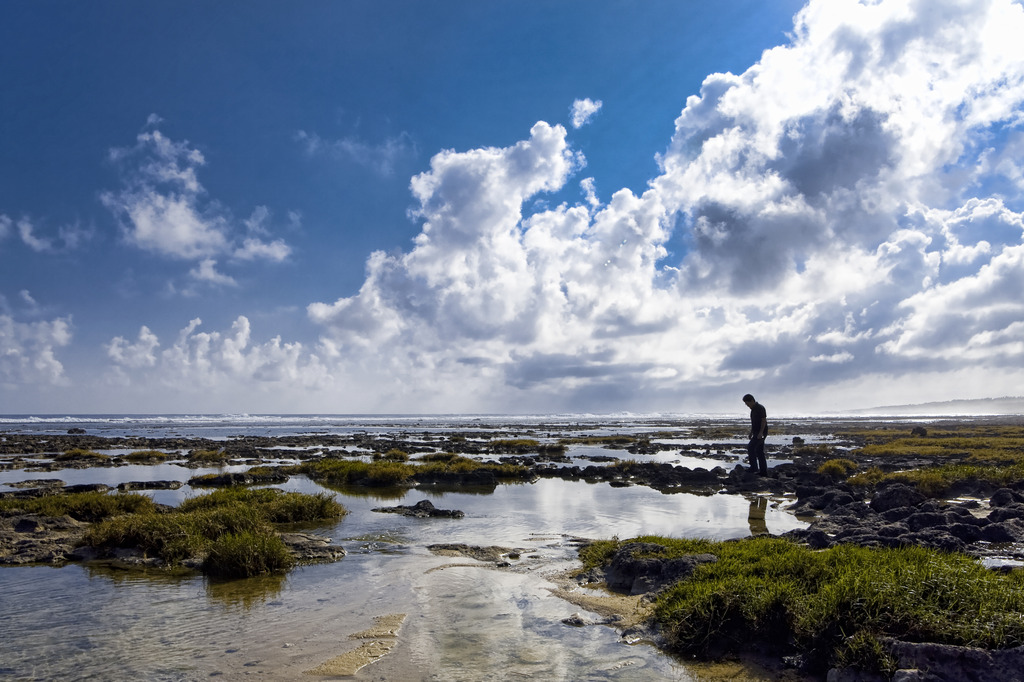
x,y
758,460
752,454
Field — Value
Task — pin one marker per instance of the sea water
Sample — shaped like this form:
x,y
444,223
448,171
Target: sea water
x,y
465,620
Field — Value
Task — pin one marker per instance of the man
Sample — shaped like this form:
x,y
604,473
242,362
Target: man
x,y
758,432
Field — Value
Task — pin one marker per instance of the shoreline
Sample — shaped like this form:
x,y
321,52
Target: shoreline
x,y
794,477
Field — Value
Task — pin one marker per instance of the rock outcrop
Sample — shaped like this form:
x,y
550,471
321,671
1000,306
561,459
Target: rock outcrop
x,y
423,509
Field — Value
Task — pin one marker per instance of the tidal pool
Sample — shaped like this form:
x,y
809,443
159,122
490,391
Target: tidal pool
x,y
465,620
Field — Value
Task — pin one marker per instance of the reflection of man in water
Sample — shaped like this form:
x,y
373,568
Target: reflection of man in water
x,y
758,432
758,507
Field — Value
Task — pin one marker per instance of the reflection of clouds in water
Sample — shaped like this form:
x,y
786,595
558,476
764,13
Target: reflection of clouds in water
x,y
599,510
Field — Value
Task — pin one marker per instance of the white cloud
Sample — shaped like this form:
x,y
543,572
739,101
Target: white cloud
x,y
28,351
583,110
71,236
828,230
844,218
380,158
256,249
207,272
142,353
163,208
215,361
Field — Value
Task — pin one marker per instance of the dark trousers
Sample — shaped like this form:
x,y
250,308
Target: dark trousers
x,y
755,453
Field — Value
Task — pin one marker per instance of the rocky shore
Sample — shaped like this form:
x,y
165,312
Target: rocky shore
x,y
982,520
977,517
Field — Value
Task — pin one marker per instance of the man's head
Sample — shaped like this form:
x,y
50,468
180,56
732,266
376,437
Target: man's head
x,y
749,400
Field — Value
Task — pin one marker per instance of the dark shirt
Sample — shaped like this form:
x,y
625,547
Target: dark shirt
x,y
758,415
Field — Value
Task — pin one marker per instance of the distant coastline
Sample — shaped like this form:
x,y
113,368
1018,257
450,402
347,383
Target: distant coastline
x,y
1007,405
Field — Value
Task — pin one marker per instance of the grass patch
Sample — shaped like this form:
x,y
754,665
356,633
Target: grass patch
x,y
598,440
816,450
513,445
975,444
207,456
837,468
347,472
88,506
228,532
81,455
383,473
393,455
938,481
149,456
247,553
272,504
835,604
457,465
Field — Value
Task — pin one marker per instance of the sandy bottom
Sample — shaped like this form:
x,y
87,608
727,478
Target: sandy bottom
x,y
383,636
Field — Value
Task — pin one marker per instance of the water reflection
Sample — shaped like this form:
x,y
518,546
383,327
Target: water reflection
x,y
464,622
246,593
756,516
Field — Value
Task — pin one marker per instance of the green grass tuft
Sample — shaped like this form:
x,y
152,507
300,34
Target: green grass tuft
x,y
938,481
837,468
149,456
80,455
393,455
88,506
836,604
229,530
247,554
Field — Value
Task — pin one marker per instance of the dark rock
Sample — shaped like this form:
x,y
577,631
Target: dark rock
x,y
86,488
919,431
422,510
306,547
636,568
897,513
897,495
1004,497
965,531
936,538
30,538
998,532
149,485
222,480
493,553
945,663
36,483
818,539
1009,512
76,431
921,520
840,499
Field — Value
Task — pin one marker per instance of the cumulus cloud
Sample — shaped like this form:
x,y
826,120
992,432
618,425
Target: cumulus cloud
x,y
206,271
163,208
28,351
838,212
214,360
845,217
583,110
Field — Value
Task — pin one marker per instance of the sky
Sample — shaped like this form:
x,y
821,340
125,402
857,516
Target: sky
x,y
522,207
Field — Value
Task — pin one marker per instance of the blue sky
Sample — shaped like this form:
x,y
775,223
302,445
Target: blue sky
x,y
509,207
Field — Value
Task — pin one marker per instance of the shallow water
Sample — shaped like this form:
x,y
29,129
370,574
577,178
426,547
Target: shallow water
x,y
466,620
